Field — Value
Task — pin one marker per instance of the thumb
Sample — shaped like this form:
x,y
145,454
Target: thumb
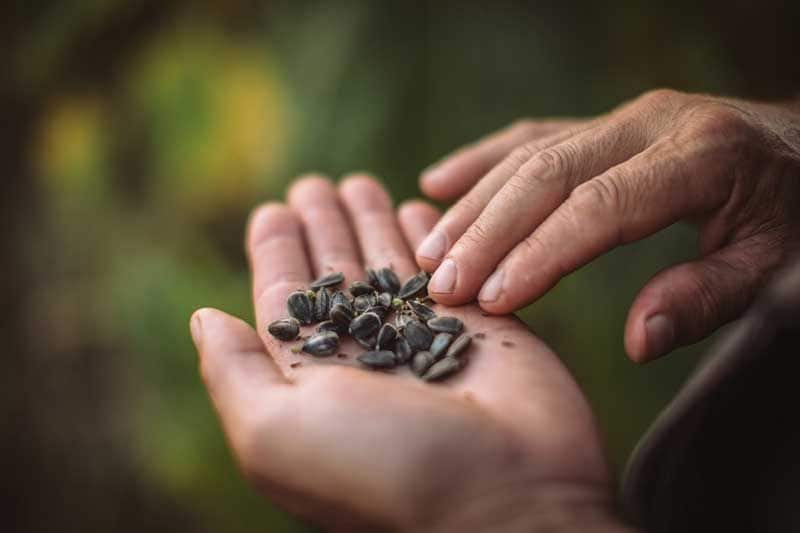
x,y
687,302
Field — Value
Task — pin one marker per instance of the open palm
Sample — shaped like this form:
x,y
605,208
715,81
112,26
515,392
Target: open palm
x,y
353,448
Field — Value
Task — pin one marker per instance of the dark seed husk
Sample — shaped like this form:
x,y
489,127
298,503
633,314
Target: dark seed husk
x,y
386,336
378,359
385,300
330,325
322,305
341,315
446,324
422,311
372,277
378,310
370,343
403,350
360,287
418,336
328,280
458,346
440,344
416,285
365,326
285,329
299,307
443,368
421,362
341,298
402,318
362,303
322,344
387,280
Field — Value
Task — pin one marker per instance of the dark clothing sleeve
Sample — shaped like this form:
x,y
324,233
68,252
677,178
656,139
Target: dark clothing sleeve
x,y
725,454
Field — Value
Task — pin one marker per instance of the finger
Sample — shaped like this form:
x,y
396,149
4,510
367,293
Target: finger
x,y
624,204
416,219
331,242
240,376
278,259
687,302
528,197
459,217
379,237
458,172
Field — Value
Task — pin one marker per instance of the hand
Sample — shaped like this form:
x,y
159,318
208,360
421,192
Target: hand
x,y
557,202
507,443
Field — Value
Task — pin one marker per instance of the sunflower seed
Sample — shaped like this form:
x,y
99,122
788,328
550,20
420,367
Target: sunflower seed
x,y
322,344
418,336
422,311
328,280
370,343
299,306
341,298
446,324
387,280
386,336
403,350
443,368
330,325
385,300
378,310
421,362
416,285
322,305
365,325
372,277
357,288
361,303
378,359
458,346
440,344
341,315
285,329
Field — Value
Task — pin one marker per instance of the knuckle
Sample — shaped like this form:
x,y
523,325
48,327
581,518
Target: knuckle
x,y
659,96
478,234
523,124
721,121
597,195
520,155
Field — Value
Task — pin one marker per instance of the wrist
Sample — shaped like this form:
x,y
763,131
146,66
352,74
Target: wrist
x,y
554,508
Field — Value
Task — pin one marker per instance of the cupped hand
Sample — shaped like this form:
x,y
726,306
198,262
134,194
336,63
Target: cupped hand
x,y
556,202
508,442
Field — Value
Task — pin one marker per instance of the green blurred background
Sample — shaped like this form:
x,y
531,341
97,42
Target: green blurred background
x,y
137,136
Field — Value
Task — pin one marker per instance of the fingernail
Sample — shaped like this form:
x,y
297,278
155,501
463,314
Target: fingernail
x,y
660,334
196,328
434,246
444,279
492,288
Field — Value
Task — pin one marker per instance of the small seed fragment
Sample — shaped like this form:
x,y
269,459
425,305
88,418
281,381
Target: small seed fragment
x,y
362,303
443,368
385,300
330,325
328,280
322,344
458,346
416,285
446,324
440,344
387,280
378,359
421,362
397,303
418,335
365,325
386,336
357,288
341,315
322,305
403,350
299,307
422,311
285,329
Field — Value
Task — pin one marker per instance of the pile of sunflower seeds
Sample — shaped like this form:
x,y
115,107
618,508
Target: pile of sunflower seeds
x,y
390,320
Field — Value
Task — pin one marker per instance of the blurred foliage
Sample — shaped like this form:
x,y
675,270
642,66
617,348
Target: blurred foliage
x,y
148,161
